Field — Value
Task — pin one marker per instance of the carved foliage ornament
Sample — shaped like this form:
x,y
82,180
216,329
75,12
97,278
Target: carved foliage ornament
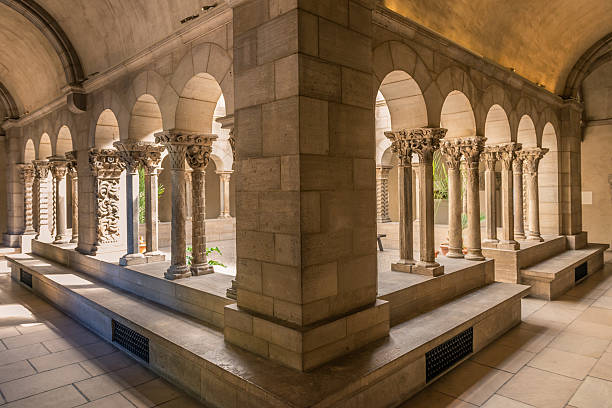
x,y
59,167
507,153
425,141
26,171
105,163
41,168
179,142
198,156
108,210
72,163
531,159
451,153
471,148
489,157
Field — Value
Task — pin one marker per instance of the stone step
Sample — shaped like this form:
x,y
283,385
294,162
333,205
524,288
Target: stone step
x,y
554,276
4,251
195,356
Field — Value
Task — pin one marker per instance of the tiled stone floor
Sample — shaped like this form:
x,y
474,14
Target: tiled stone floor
x,y
559,356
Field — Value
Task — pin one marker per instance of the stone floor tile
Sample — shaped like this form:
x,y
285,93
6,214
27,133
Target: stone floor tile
x,y
498,401
590,329
187,402
63,397
106,384
502,357
586,290
580,344
604,302
564,363
471,382
16,370
530,305
593,393
555,312
71,356
539,388
8,331
609,350
108,363
111,401
603,367
31,338
2,346
526,340
573,302
25,387
429,398
22,353
593,315
151,393
78,340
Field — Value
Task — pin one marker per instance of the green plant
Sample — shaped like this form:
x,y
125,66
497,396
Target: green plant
x,y
464,220
141,195
440,181
209,251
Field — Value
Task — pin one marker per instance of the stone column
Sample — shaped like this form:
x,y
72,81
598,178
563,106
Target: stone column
x,y
106,168
59,168
400,145
424,142
72,170
26,172
151,161
41,189
489,159
177,141
517,172
471,148
224,180
507,153
130,154
382,193
188,194
532,157
451,153
198,156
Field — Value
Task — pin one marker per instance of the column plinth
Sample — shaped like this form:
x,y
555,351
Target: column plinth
x,y
489,158
471,149
531,161
27,173
517,173
198,156
41,189
451,153
59,169
72,170
507,154
382,193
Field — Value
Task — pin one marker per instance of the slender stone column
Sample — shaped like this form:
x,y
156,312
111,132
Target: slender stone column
x,y
224,180
151,161
130,153
517,172
41,189
489,159
532,157
424,142
507,153
382,193
188,194
451,153
198,156
471,149
26,172
400,145
59,168
72,170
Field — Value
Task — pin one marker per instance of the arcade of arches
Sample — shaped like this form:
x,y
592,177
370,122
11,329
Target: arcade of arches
x,y
299,203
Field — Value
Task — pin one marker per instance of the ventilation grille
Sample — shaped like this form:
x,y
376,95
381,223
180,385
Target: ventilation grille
x,y
444,356
25,277
130,340
581,271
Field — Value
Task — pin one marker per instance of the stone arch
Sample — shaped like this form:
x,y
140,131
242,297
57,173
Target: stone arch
x,y
526,132
147,83
457,115
106,130
108,100
64,119
497,126
45,148
29,151
549,183
145,119
64,141
547,117
382,124
450,80
221,146
493,95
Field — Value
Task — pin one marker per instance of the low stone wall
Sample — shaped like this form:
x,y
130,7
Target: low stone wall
x,y
217,229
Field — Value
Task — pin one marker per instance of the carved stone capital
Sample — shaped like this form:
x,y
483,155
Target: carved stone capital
x,y
451,153
59,167
71,158
425,141
105,163
198,156
531,158
26,172
139,153
471,148
489,157
178,141
41,168
507,154
400,145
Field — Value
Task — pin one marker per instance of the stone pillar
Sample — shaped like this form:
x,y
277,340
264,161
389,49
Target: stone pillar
x,y
531,160
198,156
517,172
72,170
224,186
26,173
188,194
451,153
59,168
424,142
400,145
507,153
130,154
177,141
41,189
150,162
471,148
305,190
489,159
382,193
106,168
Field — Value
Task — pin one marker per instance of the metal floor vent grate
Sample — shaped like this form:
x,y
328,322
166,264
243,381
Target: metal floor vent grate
x,y
130,340
581,271
444,356
25,277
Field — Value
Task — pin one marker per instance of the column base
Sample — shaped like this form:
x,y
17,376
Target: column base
x,y
474,255
537,238
25,242
455,253
61,240
232,292
519,235
577,241
12,240
75,239
177,272
224,217
132,259
87,249
202,269
490,243
155,256
383,220
403,265
428,268
513,245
